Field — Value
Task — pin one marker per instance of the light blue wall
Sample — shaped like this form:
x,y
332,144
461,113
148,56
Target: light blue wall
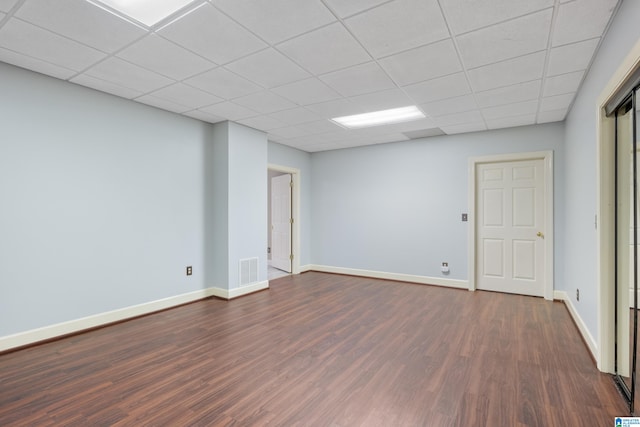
x,y
217,201
580,168
282,155
247,200
105,201
396,207
101,202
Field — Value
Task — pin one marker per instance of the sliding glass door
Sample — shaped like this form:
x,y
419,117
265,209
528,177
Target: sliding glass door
x,y
626,252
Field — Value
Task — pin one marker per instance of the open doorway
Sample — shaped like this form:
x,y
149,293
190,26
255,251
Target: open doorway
x,y
283,221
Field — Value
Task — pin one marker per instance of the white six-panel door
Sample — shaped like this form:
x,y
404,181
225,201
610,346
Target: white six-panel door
x,y
510,226
281,222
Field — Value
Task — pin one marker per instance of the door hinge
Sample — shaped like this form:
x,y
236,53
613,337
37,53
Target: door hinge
x,y
290,220
291,257
291,184
596,222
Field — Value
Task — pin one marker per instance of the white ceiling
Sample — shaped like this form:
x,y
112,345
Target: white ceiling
x,y
287,66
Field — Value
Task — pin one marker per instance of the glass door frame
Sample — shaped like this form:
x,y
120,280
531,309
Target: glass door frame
x,y
628,391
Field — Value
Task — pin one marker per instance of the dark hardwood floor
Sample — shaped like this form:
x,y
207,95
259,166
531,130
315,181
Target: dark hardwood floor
x,y
320,350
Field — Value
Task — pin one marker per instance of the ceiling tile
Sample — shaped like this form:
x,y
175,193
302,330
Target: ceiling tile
x,y
510,122
551,116
459,118
122,73
287,66
33,41
158,54
182,94
277,20
314,148
467,15
582,19
423,63
506,73
82,22
103,86
509,94
384,139
223,83
413,125
309,91
320,127
358,80
34,64
426,133
327,49
510,39
289,132
229,111
264,102
209,33
300,141
204,116
464,128
295,116
573,57
508,110
6,5
263,123
440,88
337,135
336,108
268,68
383,100
162,104
564,83
346,8
458,104
557,102
399,25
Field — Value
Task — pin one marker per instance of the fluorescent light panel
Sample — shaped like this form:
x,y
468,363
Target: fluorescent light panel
x,y
377,118
147,12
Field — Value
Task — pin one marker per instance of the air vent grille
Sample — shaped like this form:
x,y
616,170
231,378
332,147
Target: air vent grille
x,y
248,271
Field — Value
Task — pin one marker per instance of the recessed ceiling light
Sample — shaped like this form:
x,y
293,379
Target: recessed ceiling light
x,y
377,118
147,12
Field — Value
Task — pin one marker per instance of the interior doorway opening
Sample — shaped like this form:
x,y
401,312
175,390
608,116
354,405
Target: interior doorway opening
x,y
283,223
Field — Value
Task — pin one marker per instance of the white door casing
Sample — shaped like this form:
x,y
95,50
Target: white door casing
x,y
511,198
281,222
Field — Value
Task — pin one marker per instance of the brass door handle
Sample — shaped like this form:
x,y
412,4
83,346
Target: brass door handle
x,y
540,234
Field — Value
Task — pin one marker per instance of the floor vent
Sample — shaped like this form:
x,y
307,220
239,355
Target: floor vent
x,y
248,271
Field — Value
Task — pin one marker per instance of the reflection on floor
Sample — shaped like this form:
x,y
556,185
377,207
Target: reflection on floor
x,y
274,273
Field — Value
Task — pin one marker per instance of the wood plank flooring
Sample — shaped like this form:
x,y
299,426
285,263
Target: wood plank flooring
x,y
320,350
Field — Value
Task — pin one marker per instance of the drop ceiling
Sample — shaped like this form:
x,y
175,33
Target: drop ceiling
x,y
287,66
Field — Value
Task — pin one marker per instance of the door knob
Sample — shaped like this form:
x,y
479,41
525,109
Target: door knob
x,y
540,234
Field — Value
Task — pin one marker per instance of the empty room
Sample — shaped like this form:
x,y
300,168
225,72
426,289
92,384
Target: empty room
x,y
319,212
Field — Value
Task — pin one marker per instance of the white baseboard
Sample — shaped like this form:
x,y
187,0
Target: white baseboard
x,y
305,268
73,326
425,280
238,292
582,327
